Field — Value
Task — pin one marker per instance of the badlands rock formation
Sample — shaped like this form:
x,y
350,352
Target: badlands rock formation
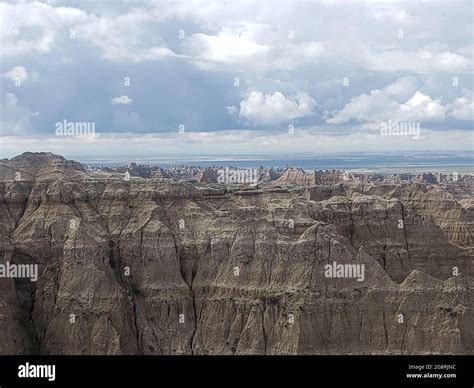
x,y
156,266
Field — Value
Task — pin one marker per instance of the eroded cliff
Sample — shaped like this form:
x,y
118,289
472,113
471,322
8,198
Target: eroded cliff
x,y
152,266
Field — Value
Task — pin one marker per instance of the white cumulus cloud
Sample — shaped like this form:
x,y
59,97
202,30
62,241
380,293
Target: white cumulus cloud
x,y
129,37
34,28
462,108
260,108
17,74
121,100
397,101
228,47
421,107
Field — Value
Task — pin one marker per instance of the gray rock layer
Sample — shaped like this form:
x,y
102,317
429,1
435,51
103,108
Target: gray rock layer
x,y
147,266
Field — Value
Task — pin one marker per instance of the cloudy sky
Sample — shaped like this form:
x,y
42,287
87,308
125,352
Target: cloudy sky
x,y
244,77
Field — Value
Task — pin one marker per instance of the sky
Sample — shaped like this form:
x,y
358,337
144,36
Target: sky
x,y
235,78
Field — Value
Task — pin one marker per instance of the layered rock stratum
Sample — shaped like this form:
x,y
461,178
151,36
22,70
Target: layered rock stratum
x,y
133,265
